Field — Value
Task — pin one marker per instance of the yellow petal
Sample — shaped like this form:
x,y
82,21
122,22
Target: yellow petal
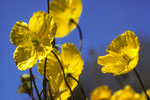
x,y
143,96
72,58
101,93
25,58
73,64
62,95
63,11
127,39
53,70
43,25
53,67
20,34
125,94
123,54
112,63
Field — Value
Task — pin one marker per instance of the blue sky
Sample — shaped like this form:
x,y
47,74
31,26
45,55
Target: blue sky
x,y
101,21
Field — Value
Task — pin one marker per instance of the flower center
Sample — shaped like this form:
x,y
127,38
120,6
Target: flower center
x,y
126,58
35,42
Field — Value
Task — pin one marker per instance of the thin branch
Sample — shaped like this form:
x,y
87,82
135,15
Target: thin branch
x,y
47,6
41,92
80,33
72,96
79,85
37,92
49,90
138,76
44,80
31,90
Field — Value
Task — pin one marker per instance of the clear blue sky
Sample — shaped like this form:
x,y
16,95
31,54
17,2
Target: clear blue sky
x,y
101,21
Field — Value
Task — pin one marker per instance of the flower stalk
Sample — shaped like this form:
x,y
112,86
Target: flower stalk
x,y
31,90
32,78
72,96
49,91
80,33
69,75
138,76
44,80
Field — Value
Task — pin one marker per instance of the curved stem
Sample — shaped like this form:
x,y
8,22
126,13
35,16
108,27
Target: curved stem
x,y
49,90
31,90
32,77
141,84
44,80
41,92
79,85
72,96
47,6
80,33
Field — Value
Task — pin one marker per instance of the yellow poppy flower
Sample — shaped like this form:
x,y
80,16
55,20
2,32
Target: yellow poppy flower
x,y
101,93
123,54
72,63
125,94
33,40
143,97
63,12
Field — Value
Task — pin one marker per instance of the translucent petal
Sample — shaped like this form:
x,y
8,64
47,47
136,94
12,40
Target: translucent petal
x,y
63,11
53,70
25,58
53,67
72,58
19,35
43,26
123,54
112,63
125,94
55,75
127,39
63,95
101,93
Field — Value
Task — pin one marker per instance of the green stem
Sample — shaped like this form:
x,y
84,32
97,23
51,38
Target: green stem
x,y
80,33
44,80
32,77
31,90
79,85
72,96
138,76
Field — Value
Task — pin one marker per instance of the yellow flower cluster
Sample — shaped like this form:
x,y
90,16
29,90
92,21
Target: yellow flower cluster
x,y
104,93
73,64
34,43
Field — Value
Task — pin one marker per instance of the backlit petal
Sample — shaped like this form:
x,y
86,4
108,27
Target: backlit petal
x,y
19,35
127,39
63,11
25,58
72,58
43,26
